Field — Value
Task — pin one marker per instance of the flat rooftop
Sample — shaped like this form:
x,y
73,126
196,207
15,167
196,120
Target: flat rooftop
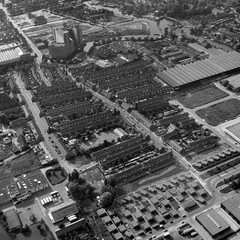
x,y
234,81
232,206
62,211
189,73
235,130
213,222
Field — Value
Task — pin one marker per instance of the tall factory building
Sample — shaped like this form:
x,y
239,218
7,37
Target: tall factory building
x,y
65,42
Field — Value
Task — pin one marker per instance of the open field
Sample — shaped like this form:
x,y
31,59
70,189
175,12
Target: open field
x,y
201,97
221,112
24,164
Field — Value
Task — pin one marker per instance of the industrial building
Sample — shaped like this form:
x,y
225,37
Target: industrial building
x,y
234,83
62,211
215,225
203,69
24,186
12,55
232,207
65,42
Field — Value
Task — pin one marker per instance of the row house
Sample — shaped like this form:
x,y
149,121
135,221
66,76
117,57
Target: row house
x,y
73,107
55,88
125,81
85,110
203,143
174,119
149,105
143,92
142,119
122,155
112,72
138,170
104,153
78,95
86,122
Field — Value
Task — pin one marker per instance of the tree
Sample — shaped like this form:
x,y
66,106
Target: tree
x,y
81,192
69,156
106,199
77,191
111,181
107,188
3,118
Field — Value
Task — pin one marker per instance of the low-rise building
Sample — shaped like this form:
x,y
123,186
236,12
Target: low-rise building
x,y
62,211
13,220
26,185
140,169
232,207
215,225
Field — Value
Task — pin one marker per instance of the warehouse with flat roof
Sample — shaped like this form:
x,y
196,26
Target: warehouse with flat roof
x,y
12,55
215,225
214,65
232,207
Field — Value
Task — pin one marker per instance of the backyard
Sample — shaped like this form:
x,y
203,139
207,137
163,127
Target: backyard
x,y
202,97
221,112
56,175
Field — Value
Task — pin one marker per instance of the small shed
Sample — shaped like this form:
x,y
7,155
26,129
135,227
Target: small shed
x,y
101,212
146,227
122,228
112,228
116,220
127,213
106,219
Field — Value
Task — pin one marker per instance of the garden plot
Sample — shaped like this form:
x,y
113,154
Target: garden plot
x,y
202,97
221,112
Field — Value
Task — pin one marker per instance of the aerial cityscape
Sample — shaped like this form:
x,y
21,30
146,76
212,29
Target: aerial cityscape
x,y
120,120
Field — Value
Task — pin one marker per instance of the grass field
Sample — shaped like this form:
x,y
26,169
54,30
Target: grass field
x,y
24,164
221,112
201,97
